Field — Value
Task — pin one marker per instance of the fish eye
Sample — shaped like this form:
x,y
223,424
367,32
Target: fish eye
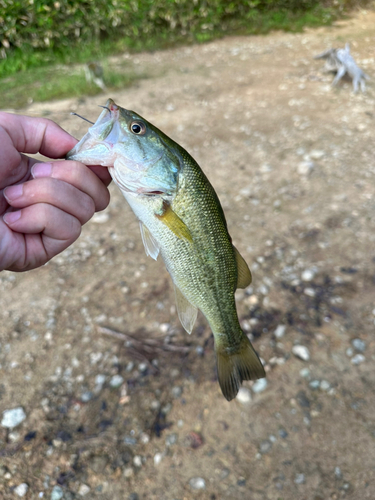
x,y
138,128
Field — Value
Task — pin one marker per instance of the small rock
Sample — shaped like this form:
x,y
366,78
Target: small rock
x,y
305,373
358,359
316,154
265,446
21,489
100,218
176,391
280,331
338,473
299,479
171,439
314,384
244,395
260,385
116,381
301,352
282,433
305,167
133,496
157,458
349,352
137,461
325,385
83,490
308,275
359,345
57,493
309,292
12,418
303,400
197,483
86,396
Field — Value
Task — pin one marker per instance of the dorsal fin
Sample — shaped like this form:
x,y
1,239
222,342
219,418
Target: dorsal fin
x,y
186,311
243,272
149,242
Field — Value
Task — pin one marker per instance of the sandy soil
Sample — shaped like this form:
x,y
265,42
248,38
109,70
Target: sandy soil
x,y
293,162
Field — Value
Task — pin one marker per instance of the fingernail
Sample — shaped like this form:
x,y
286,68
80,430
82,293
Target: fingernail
x,y
13,192
11,217
41,170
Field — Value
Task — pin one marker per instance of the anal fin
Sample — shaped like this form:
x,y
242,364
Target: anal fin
x,y
149,242
243,272
186,311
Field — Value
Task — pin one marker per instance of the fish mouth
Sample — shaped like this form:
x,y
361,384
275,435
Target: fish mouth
x,y
97,146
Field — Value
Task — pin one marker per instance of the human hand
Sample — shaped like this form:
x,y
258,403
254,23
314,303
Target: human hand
x,y
42,205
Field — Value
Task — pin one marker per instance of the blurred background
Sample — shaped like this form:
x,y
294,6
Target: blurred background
x,y
102,393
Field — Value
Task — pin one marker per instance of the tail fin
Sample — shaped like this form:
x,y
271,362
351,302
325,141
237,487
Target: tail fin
x,y
235,366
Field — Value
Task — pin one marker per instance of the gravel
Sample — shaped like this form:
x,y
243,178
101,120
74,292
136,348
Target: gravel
x,y
12,418
260,385
197,483
21,489
359,345
57,493
244,395
301,352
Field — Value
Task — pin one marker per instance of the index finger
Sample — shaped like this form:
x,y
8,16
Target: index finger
x,y
36,135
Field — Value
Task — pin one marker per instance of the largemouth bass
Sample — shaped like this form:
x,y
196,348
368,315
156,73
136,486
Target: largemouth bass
x,y
181,218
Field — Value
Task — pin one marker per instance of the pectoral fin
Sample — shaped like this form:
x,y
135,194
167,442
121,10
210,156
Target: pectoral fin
x,y
174,223
149,242
186,311
243,271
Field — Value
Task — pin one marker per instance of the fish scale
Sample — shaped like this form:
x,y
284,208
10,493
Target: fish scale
x,y
181,217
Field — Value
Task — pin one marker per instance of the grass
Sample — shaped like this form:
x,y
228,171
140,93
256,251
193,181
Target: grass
x,y
36,76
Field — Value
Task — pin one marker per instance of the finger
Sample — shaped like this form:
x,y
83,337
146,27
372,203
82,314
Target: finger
x,y
59,194
54,223
33,135
78,175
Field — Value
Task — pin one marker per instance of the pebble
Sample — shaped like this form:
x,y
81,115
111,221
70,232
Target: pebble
x,y
308,275
12,418
244,395
260,385
57,493
338,472
301,352
309,291
100,218
265,446
325,385
314,384
280,331
305,373
86,396
171,439
359,345
176,391
358,359
197,483
157,458
299,479
21,489
116,381
83,490
305,167
316,154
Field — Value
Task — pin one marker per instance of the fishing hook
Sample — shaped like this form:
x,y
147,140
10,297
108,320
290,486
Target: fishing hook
x,y
76,114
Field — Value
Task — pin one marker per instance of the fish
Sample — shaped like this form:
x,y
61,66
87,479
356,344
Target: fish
x,y
181,219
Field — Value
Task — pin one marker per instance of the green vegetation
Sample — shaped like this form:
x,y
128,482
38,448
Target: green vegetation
x,y
37,35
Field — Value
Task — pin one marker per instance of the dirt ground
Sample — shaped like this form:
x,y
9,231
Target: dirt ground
x,y
139,415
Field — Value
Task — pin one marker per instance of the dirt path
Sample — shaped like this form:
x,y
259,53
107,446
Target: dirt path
x,y
293,162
